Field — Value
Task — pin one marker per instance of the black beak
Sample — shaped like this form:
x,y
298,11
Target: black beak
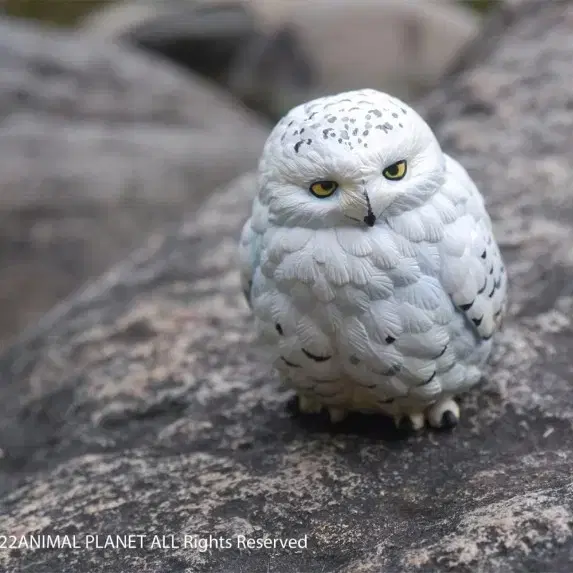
x,y
370,218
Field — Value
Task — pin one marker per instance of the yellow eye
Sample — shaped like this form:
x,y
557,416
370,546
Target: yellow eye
x,y
322,189
396,171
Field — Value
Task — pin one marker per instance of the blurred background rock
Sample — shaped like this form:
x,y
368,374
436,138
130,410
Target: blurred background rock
x,y
118,123
273,54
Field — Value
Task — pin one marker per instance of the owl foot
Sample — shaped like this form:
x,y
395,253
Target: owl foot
x,y
444,414
309,405
409,422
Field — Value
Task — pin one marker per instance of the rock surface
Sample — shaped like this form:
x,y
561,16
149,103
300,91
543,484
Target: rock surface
x,y
99,145
268,69
298,49
136,407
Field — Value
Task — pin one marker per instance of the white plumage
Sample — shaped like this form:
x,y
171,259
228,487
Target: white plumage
x,y
369,262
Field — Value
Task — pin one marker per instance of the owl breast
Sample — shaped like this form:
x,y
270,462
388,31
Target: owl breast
x,y
359,315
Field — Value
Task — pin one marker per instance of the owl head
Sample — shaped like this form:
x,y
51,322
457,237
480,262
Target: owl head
x,y
348,159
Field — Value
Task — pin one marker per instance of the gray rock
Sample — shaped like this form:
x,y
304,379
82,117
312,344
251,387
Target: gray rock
x,y
288,51
399,46
137,407
99,146
267,69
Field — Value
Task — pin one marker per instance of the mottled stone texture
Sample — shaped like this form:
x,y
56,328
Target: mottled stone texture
x,y
136,406
99,145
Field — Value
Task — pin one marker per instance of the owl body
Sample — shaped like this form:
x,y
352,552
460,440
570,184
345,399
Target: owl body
x,y
384,294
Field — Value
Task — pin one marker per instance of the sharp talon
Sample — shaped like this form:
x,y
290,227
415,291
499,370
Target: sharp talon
x,y
405,425
410,423
336,414
444,414
449,420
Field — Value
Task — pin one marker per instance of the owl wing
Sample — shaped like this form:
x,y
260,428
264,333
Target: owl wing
x,y
472,270
247,259
250,247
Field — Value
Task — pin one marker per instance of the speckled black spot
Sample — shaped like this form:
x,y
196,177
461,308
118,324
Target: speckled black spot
x,y
390,339
279,328
394,115
333,134
376,112
393,370
400,125
365,145
359,140
368,116
368,125
340,140
386,127
290,123
484,254
353,108
490,295
326,131
354,360
403,111
365,132
291,364
491,271
315,125
346,118
315,357
297,145
477,321
312,114
295,132
442,352
331,119
483,287
467,306
352,120
302,130
344,135
425,382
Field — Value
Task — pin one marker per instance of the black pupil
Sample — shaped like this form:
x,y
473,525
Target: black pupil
x,y
393,169
328,185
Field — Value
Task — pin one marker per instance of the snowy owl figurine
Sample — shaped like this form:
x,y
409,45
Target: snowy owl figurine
x,y
369,263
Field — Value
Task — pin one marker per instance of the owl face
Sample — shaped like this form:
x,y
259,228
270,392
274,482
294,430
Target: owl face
x,y
348,159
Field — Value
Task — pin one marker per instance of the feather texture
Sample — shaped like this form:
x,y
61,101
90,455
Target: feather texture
x,y
394,303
